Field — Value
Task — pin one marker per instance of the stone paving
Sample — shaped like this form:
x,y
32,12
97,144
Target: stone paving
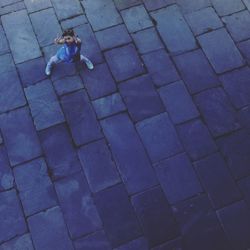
x,y
150,150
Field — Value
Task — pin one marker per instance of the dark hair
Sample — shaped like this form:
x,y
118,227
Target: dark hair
x,y
68,32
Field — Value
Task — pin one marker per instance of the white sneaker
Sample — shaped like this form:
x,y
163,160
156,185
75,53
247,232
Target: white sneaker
x,y
89,65
48,70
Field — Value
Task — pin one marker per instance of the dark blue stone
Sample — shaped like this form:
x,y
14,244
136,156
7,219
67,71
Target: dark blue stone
x,y
140,243
6,177
179,111
155,216
22,242
124,62
129,153
136,18
12,95
174,30
20,136
196,71
11,216
99,82
225,7
238,229
223,58
109,105
217,111
124,226
98,165
90,47
237,86
48,230
160,67
178,178
196,139
157,4
121,4
217,181
34,185
203,20
160,143
244,117
77,205
81,117
244,185
68,84
192,6
245,49
96,241
59,152
113,37
4,47
141,98
147,40
175,244
195,216
236,150
32,71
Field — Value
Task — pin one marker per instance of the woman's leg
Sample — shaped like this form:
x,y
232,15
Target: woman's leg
x,y
86,61
52,61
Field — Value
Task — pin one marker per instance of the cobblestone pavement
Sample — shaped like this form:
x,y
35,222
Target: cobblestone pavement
x,y
150,150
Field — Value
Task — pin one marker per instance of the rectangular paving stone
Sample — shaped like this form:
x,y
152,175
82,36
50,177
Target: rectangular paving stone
x,y
244,185
236,151
6,63
55,236
136,18
245,49
129,153
191,6
147,40
23,241
74,22
32,71
141,98
226,7
6,177
67,8
11,216
160,143
156,216
174,30
196,139
98,165
223,58
109,15
178,111
45,108
203,20
77,205
12,8
35,187
113,37
48,18
20,136
217,181
109,105
237,25
121,4
157,4
90,46
18,44
244,117
237,86
96,241
33,6
236,230
125,227
7,2
81,117
178,178
170,245
195,216
196,71
4,47
140,243
59,151
12,95
124,62
217,111
160,67
99,82
68,84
